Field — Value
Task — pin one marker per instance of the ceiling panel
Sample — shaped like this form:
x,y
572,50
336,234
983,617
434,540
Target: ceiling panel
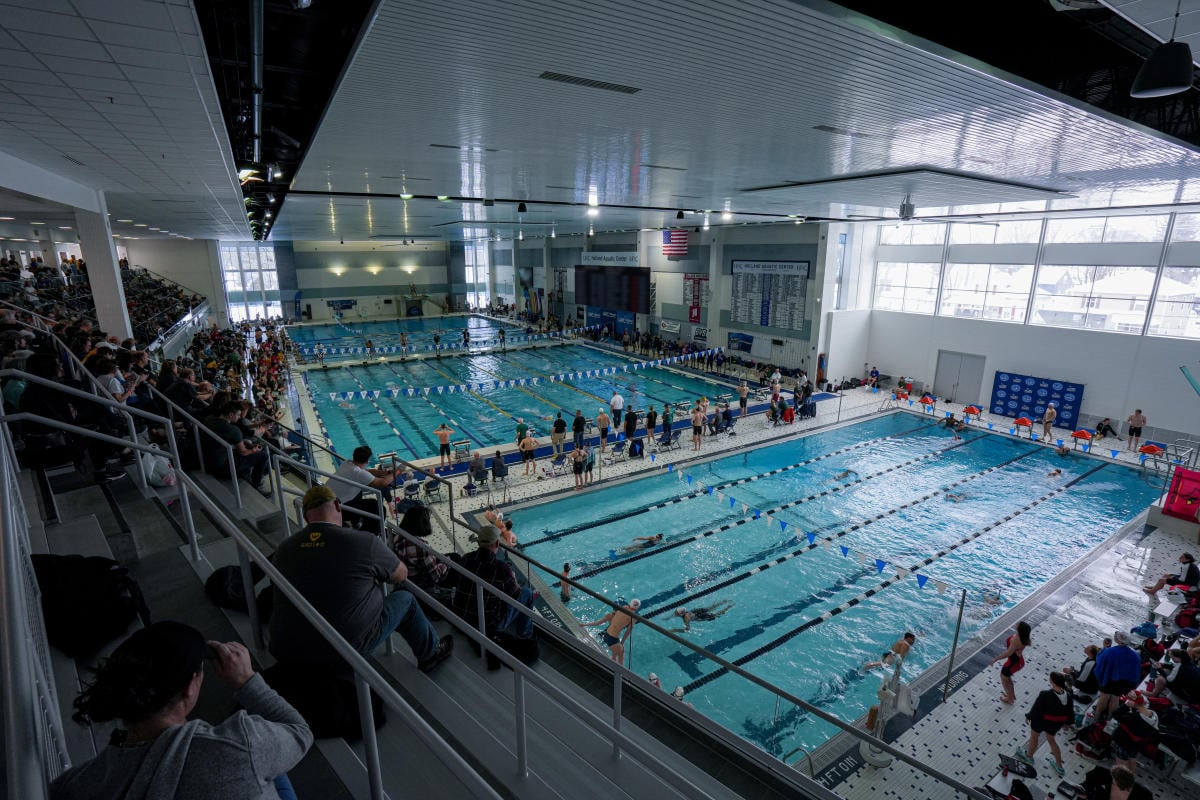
x,y
727,97
122,101
1157,17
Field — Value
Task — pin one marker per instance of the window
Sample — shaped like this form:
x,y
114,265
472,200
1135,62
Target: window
x,y
903,233
986,291
251,282
1151,228
906,287
475,256
1026,231
1176,306
1098,298
1187,228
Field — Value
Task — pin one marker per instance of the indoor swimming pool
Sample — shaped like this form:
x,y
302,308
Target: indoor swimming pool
x,y
826,549
342,341
486,415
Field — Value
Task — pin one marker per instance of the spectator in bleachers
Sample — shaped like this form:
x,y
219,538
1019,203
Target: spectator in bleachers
x,y
345,575
250,458
151,684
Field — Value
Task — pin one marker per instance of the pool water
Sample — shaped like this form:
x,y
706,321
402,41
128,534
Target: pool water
x,y
890,514
352,334
486,417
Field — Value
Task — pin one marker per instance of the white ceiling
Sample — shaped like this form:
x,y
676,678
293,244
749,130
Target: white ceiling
x,y
117,95
732,96
1157,17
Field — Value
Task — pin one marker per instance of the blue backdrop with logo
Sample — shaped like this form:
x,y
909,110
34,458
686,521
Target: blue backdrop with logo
x,y
1027,396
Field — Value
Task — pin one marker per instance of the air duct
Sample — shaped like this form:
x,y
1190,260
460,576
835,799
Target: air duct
x,y
256,74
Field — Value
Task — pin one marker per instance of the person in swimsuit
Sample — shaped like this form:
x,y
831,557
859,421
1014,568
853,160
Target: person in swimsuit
x,y
1105,428
1048,418
697,426
705,614
642,543
528,447
620,624
578,459
846,473
443,434
1013,660
602,422
1136,421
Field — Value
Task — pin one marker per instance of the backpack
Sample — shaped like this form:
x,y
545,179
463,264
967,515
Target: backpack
x,y
327,701
1092,742
1186,618
224,590
87,601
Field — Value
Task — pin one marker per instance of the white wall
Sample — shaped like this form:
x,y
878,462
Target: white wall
x,y
1121,371
192,263
847,342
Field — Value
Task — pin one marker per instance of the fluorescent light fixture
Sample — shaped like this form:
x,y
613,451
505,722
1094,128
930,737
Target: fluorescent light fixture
x,y
406,196
7,219
592,212
37,223
65,227
140,225
154,229
593,196
726,214
443,197
339,271
125,220
374,270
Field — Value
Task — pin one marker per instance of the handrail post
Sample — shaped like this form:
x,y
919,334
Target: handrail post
x,y
618,685
237,482
962,603
251,601
521,728
277,480
185,503
366,716
482,621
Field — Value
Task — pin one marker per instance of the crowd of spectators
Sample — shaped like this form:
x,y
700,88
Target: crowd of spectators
x,y
154,304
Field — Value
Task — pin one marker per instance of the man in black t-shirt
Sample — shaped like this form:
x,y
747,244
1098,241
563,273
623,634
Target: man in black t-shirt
x,y
557,434
578,426
250,460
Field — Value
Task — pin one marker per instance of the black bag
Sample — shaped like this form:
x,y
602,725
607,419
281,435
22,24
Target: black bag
x,y
637,449
326,700
524,650
86,601
224,590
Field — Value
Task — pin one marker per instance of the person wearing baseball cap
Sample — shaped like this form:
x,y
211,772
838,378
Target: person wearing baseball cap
x,y
486,564
345,574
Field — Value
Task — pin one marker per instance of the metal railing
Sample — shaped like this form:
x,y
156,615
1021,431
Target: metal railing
x,y
35,750
876,745
199,428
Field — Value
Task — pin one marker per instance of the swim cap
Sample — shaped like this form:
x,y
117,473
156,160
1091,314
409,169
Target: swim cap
x,y
635,604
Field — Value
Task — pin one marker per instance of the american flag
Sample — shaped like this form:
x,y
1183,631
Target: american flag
x,y
675,243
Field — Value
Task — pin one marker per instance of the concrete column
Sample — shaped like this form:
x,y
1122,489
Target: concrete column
x,y
100,253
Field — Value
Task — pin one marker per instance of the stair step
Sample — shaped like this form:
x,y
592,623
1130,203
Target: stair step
x,y
262,512
82,535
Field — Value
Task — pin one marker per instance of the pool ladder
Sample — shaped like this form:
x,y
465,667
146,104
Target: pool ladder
x,y
807,757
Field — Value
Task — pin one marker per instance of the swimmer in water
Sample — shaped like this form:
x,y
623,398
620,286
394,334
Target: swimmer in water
x,y
344,404
1054,473
955,497
642,543
705,614
846,473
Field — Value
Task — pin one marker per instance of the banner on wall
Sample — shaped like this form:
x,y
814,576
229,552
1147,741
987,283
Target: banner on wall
x,y
609,259
593,316
608,319
341,305
625,322
695,294
296,302
700,335
741,341
667,326
1027,396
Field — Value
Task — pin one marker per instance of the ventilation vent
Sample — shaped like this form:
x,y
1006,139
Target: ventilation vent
x,y
472,147
844,132
577,81
74,161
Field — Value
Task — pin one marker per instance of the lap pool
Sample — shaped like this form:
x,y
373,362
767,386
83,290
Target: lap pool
x,y
500,388
820,569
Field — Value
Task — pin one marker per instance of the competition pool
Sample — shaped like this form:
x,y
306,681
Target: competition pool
x,y
821,570
346,340
486,414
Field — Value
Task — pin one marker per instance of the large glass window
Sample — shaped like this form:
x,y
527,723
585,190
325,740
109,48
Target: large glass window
x,y
906,286
1176,306
1151,228
477,267
251,282
986,291
1097,298
1025,231
905,233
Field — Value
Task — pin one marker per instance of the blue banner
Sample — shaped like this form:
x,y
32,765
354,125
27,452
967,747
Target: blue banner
x,y
625,322
1028,396
593,316
608,319
741,342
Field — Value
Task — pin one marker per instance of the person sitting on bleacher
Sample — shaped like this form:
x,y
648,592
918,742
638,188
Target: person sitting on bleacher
x,y
151,684
345,575
497,572
348,480
249,458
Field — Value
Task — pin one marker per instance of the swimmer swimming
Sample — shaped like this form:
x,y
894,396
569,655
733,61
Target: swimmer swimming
x,y
705,614
642,543
846,473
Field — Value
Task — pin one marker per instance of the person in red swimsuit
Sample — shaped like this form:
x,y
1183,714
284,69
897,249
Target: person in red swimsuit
x,y
1013,660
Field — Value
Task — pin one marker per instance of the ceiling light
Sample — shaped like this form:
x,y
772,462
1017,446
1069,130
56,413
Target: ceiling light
x,y
520,236
678,215
140,225
154,229
521,209
593,196
443,197
593,212
270,198
37,223
7,219
1168,70
64,227
591,231
552,234
727,214
277,173
406,196
706,222
125,220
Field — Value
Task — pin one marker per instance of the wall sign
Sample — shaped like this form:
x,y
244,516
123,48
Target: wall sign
x,y
769,293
